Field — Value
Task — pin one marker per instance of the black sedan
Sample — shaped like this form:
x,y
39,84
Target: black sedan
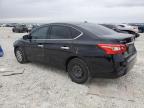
x,y
84,50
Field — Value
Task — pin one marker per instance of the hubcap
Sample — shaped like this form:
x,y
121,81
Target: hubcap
x,y
77,71
19,55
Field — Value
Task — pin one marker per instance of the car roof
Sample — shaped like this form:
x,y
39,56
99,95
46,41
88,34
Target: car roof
x,y
70,23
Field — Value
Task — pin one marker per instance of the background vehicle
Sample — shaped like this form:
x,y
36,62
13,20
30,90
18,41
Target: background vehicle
x,y
139,25
10,25
20,29
141,28
123,29
128,27
113,27
3,25
84,50
31,27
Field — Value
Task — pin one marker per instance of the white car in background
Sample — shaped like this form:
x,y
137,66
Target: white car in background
x,y
128,27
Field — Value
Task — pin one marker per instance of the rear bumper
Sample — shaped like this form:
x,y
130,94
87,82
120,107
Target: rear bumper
x,y
126,66
111,67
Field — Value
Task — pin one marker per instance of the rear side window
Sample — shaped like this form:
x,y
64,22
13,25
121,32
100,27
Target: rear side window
x,y
75,33
98,29
60,32
40,33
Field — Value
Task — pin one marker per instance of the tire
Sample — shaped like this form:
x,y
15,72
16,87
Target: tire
x,y
137,35
13,30
20,55
78,71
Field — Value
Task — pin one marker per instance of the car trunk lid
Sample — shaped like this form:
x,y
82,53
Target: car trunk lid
x,y
125,39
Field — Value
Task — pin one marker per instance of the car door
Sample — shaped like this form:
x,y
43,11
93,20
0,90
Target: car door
x,y
59,47
35,46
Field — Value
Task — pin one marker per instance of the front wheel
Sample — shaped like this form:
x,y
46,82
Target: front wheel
x,y
78,71
20,55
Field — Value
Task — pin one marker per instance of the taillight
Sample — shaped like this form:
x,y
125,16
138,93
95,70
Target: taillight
x,y
113,48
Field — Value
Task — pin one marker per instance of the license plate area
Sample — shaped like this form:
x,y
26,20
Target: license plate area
x,y
131,48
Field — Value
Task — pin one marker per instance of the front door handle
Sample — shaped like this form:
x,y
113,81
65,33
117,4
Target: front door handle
x,y
65,48
41,46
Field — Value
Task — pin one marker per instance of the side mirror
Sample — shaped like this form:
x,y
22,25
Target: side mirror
x,y
25,37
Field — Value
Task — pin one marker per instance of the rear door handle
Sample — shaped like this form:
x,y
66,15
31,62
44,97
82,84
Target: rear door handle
x,y
65,48
41,46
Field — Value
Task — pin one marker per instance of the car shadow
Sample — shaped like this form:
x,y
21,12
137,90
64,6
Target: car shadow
x,y
50,68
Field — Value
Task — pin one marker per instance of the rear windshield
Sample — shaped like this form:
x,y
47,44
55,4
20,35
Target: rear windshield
x,y
97,29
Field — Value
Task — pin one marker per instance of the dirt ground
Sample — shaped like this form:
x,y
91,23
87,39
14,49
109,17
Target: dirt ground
x,y
35,85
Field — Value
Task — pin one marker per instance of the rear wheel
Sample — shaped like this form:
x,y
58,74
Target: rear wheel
x,y
20,55
78,71
13,30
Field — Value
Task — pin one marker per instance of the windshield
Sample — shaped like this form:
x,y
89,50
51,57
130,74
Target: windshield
x,y
97,29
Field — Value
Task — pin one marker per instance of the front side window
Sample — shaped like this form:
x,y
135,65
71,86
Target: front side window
x,y
60,32
40,33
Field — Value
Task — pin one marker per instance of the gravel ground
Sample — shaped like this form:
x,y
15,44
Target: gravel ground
x,y
35,85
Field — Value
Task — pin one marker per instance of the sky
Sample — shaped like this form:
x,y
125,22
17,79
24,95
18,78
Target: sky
x,y
99,11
